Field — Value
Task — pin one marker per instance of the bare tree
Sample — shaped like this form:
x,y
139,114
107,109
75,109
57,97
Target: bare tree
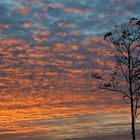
x,y
125,78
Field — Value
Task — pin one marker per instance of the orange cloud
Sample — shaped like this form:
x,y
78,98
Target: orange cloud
x,y
65,48
65,25
27,24
75,10
39,39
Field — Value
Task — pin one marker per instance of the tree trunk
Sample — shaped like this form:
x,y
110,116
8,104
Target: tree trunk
x,y
131,94
133,122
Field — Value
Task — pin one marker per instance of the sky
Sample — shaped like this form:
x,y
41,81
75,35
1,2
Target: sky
x,y
49,48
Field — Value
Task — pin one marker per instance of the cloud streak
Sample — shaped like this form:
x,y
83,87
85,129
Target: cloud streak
x,y
48,51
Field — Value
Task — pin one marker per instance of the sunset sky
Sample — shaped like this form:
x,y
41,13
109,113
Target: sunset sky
x,y
49,48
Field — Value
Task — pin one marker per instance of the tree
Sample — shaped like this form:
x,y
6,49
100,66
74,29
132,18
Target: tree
x,y
125,78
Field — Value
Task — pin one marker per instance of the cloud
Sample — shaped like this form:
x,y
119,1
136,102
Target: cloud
x,y
48,51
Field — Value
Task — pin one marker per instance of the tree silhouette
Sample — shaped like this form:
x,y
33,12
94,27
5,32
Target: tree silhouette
x,y
125,78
